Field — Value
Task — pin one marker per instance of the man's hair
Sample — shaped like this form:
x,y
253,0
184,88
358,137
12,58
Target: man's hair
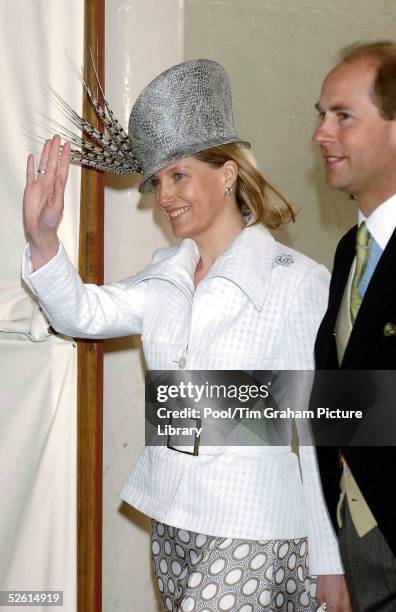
x,y
382,54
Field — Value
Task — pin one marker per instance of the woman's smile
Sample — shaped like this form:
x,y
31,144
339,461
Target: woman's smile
x,y
177,212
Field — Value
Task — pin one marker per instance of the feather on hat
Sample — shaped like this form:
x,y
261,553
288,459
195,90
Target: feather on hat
x,y
184,110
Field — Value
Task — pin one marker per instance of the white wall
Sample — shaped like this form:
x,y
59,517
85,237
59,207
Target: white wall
x,y
277,53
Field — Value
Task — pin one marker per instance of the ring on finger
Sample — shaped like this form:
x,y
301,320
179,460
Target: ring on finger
x,y
39,171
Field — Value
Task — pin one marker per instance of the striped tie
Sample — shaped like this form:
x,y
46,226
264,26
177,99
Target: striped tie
x,y
363,245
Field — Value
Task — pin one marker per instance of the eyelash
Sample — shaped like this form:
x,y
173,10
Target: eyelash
x,y
343,116
178,176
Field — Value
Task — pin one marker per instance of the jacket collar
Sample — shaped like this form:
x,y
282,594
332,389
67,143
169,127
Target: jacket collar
x,y
247,263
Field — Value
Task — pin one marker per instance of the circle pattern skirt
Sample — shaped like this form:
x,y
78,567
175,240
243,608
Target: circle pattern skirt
x,y
196,572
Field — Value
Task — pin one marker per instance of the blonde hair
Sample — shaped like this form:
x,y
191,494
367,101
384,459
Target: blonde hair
x,y
252,189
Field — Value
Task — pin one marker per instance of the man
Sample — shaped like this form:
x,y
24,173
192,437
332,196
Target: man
x,y
357,138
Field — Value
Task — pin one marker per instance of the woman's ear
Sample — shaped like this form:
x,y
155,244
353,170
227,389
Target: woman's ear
x,y
230,170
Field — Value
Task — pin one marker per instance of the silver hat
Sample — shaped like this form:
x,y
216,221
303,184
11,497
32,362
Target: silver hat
x,y
184,110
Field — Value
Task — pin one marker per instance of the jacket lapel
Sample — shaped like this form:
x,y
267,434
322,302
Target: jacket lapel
x,y
325,346
380,294
248,264
340,279
175,265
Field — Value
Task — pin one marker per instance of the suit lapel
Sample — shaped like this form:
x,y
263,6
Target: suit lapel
x,y
325,347
340,277
380,293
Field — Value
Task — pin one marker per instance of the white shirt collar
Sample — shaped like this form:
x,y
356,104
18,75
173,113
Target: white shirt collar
x,y
382,221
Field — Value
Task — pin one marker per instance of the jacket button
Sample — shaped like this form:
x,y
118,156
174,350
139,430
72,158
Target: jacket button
x,y
182,363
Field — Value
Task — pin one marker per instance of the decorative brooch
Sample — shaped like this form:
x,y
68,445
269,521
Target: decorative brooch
x,y
284,260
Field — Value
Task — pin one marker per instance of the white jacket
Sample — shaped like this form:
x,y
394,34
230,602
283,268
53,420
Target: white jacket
x,y
258,308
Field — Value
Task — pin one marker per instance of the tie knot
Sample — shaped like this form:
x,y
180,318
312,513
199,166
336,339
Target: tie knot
x,y
362,236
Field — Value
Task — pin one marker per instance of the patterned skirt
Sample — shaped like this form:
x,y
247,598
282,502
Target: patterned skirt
x,y
196,572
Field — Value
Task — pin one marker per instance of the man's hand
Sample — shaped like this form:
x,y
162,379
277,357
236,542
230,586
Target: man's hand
x,y
333,591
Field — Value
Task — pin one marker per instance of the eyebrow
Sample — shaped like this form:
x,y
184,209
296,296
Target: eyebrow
x,y
175,168
334,108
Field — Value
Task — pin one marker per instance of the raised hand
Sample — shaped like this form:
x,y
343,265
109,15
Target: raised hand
x,y
43,199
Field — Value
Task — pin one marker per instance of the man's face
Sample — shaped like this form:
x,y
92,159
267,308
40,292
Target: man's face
x,y
357,144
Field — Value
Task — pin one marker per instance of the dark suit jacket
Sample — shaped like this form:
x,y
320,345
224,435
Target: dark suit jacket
x,y
373,467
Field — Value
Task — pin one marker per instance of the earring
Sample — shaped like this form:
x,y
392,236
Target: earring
x,y
228,191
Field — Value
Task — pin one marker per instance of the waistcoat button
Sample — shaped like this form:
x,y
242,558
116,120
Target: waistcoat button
x,y
182,363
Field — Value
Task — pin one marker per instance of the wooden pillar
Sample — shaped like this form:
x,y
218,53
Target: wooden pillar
x,y
90,354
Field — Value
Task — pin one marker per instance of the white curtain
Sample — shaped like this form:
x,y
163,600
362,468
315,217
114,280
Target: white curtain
x,y
37,373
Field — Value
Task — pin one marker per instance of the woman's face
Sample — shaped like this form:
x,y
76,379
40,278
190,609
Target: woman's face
x,y
191,195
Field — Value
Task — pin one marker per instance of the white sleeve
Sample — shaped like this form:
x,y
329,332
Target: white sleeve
x,y
323,547
303,319
84,310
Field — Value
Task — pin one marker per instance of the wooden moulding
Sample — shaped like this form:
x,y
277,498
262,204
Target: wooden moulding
x,y
90,354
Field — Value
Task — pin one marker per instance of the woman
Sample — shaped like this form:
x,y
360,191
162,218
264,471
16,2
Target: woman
x,y
230,528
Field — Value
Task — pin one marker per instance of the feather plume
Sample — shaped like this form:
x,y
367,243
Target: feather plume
x,y
110,151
